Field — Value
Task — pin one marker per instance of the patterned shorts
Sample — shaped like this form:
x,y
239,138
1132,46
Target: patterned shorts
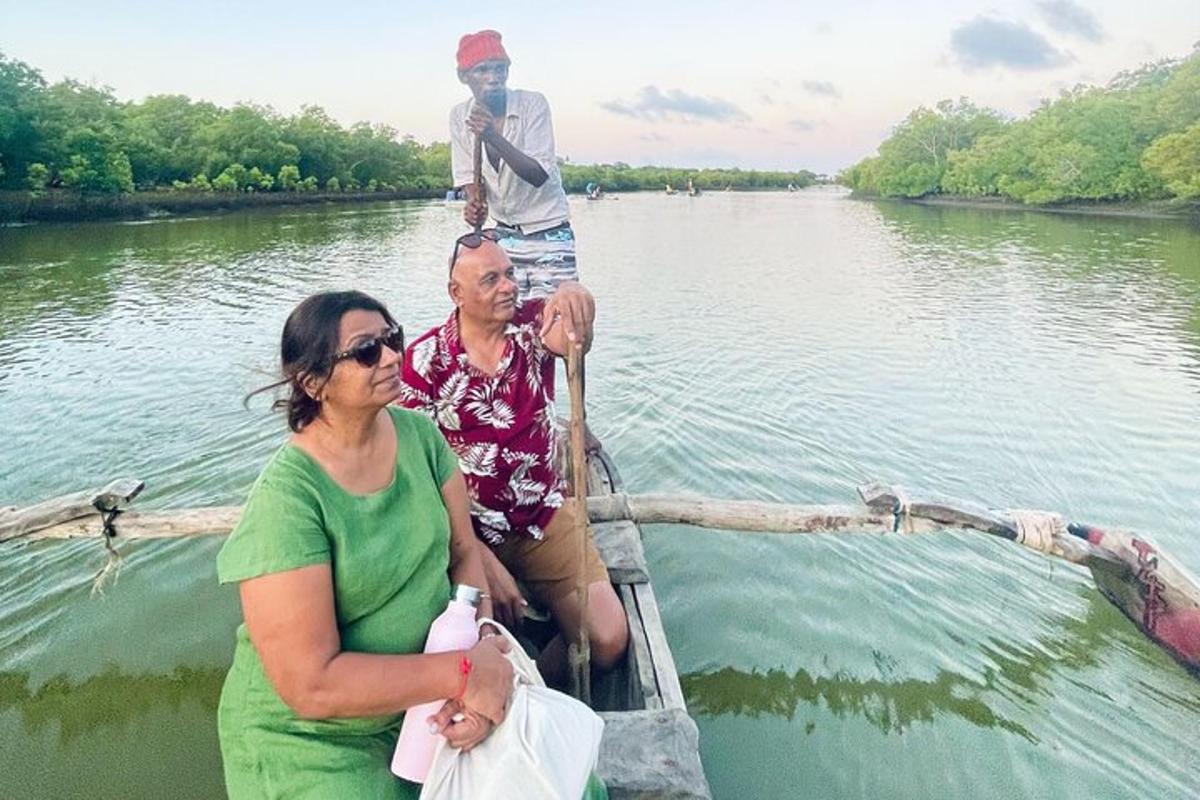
x,y
541,260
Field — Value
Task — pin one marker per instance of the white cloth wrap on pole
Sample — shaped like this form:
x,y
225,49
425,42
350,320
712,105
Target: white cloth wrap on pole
x,y
1037,529
545,749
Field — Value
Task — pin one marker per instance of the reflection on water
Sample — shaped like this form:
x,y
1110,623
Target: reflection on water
x,y
893,703
890,706
110,699
774,346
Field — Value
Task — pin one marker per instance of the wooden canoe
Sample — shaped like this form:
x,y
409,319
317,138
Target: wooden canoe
x,y
650,747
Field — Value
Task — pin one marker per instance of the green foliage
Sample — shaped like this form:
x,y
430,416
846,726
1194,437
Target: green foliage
x,y
97,164
1175,159
22,94
258,181
914,159
621,177
289,178
36,177
85,138
1089,144
228,180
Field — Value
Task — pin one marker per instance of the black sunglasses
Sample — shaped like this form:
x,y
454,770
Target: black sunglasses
x,y
369,352
471,241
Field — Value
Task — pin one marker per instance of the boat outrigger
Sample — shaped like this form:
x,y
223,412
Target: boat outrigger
x,y
651,746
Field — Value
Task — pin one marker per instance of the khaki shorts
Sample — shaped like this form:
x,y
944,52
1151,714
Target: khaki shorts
x,y
549,566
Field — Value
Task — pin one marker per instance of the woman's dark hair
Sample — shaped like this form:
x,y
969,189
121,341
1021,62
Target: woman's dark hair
x,y
307,348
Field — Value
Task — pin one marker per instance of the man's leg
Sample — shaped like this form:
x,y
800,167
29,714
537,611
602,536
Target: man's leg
x,y
550,569
608,632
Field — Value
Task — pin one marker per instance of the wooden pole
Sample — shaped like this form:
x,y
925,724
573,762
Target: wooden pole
x,y
1160,597
480,191
581,652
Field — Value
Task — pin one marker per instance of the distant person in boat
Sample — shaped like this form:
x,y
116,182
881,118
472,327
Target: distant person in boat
x,y
344,555
524,191
486,376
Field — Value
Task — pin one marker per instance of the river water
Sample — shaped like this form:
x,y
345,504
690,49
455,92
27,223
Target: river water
x,y
780,347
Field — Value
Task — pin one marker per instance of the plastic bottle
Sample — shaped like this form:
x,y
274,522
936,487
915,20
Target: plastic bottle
x,y
454,629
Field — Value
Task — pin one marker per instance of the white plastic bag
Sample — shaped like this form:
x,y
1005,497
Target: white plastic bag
x,y
546,747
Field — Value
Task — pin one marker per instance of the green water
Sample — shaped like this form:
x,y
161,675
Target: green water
x,y
775,346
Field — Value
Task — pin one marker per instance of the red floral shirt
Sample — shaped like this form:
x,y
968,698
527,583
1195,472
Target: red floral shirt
x,y
501,426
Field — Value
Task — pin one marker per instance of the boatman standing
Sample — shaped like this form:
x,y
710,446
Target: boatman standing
x,y
524,191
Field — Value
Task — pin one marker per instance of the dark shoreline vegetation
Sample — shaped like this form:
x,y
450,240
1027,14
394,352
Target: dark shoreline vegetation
x,y
1130,209
69,151
1135,140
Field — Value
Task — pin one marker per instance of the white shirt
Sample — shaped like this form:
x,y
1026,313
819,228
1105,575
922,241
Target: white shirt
x,y
510,199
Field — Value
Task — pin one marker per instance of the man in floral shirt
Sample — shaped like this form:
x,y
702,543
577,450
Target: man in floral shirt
x,y
486,376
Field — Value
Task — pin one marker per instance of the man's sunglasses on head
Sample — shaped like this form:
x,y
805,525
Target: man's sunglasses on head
x,y
471,241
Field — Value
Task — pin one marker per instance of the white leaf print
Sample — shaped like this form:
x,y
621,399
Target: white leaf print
x,y
520,457
478,459
489,409
422,356
527,492
450,396
533,377
415,395
491,522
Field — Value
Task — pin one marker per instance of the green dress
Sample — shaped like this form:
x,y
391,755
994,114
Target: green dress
x,y
389,552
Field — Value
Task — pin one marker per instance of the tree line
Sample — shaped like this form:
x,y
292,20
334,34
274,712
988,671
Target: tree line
x,y
72,136
621,177
1137,138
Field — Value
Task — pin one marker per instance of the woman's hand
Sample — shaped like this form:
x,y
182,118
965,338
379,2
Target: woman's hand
x,y
462,727
507,603
489,685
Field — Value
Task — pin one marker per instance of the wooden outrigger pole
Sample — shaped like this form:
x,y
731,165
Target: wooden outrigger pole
x,y
1149,588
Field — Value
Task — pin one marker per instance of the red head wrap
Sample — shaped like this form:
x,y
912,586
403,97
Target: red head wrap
x,y
476,47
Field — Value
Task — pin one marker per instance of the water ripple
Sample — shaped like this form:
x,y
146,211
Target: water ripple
x,y
776,346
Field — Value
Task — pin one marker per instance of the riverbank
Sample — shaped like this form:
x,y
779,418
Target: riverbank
x,y
70,206
18,208
1145,209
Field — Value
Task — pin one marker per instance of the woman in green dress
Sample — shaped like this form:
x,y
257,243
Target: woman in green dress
x,y
344,555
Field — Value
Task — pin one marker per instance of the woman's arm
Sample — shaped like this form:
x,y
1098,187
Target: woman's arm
x,y
290,618
466,559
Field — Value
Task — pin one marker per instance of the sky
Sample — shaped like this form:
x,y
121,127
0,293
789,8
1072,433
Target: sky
x,y
757,84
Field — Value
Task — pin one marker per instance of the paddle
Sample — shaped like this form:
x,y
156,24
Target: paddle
x,y
579,653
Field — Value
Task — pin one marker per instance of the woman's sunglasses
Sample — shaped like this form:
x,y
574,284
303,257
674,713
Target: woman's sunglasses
x,y
471,241
369,352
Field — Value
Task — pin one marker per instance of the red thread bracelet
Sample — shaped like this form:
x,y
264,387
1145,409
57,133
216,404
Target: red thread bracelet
x,y
464,672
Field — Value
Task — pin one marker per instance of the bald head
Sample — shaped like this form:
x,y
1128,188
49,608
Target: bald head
x,y
475,259
481,283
